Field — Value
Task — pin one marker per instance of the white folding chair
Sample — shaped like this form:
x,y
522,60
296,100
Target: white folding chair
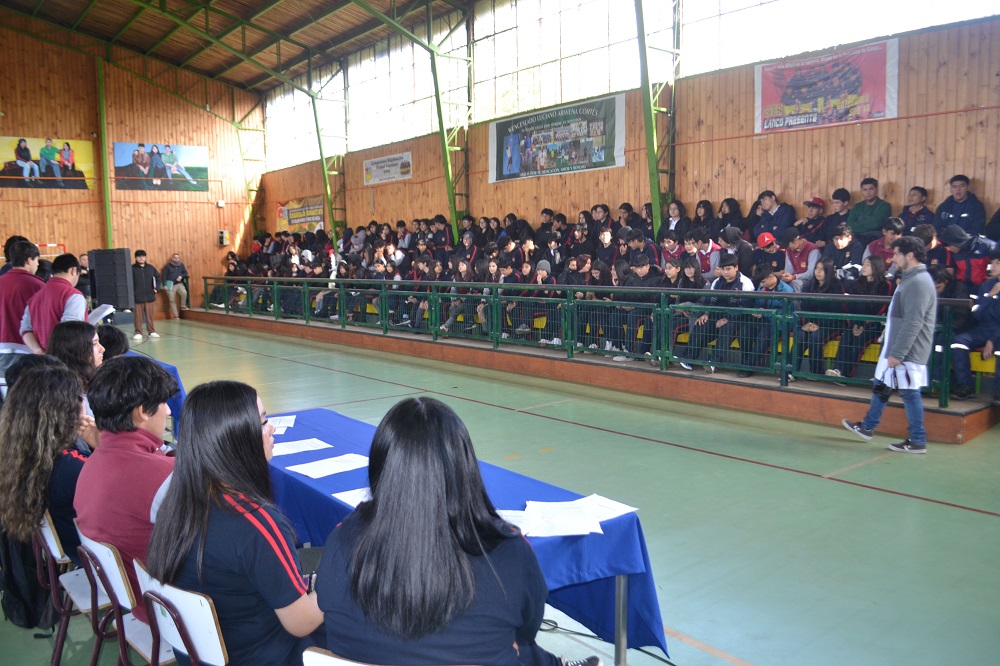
x,y
103,564
69,587
314,656
186,620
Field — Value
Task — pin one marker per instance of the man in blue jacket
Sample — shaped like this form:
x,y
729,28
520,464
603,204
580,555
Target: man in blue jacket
x,y
984,333
961,208
775,217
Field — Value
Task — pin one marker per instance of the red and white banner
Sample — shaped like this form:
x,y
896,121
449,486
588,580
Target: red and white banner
x,y
847,86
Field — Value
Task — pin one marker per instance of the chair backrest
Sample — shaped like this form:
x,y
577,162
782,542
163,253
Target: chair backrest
x,y
186,620
108,565
314,656
51,540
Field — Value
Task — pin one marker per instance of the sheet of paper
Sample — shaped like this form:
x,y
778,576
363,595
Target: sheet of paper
x,y
604,508
331,466
282,421
280,431
298,446
354,497
525,522
562,519
99,313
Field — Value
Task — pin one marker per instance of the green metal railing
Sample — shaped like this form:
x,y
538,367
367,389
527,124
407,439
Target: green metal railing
x,y
664,327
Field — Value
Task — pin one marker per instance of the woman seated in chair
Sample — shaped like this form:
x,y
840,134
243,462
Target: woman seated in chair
x,y
219,533
42,416
426,572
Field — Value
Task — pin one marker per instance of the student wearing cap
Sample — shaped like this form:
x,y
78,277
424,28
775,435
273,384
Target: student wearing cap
x,y
961,208
801,256
775,217
916,212
866,219
730,242
812,226
882,247
768,253
845,252
969,256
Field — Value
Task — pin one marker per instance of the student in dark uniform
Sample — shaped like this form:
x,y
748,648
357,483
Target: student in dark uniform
x,y
426,572
218,531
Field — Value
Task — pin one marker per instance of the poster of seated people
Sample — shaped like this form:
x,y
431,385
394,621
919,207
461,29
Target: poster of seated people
x,y
161,166
575,137
851,85
46,162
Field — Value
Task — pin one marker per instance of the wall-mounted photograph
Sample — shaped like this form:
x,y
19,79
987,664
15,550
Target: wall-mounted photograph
x,y
161,166
46,162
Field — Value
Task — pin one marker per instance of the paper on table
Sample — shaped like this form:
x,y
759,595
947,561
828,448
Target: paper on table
x,y
354,497
282,421
331,466
100,313
604,508
311,444
280,431
525,522
562,519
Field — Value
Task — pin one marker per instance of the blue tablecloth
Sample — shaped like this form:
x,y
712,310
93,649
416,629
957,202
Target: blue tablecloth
x,y
580,571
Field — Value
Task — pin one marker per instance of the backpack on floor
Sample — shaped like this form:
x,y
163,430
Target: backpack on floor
x,y
25,603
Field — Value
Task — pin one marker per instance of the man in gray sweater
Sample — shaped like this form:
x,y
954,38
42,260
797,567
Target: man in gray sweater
x,y
906,347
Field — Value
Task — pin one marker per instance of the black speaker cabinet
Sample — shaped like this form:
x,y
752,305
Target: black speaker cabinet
x,y
111,278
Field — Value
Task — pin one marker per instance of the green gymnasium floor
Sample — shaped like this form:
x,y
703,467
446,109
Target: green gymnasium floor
x,y
772,542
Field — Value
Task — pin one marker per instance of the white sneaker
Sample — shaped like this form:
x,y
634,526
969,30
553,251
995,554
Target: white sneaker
x,y
221,306
592,345
621,359
686,366
557,341
833,372
544,342
137,336
505,336
710,369
607,345
444,328
154,334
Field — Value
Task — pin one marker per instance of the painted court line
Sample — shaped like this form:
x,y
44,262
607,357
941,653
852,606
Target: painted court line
x,y
609,431
857,465
705,647
545,404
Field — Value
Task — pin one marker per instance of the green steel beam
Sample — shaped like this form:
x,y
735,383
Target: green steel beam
x,y
266,7
38,7
83,14
102,119
400,28
181,21
173,31
327,193
128,24
325,47
649,119
678,33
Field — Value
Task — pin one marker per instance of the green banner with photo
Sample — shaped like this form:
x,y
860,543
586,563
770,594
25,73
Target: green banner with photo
x,y
575,137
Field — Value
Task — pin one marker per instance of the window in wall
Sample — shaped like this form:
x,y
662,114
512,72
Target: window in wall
x,y
290,129
531,54
719,34
391,87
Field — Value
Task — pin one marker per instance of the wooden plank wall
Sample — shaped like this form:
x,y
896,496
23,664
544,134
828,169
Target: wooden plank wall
x,y
949,113
424,195
52,91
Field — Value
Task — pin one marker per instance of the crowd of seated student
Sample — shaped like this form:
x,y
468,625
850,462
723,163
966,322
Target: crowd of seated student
x,y
771,245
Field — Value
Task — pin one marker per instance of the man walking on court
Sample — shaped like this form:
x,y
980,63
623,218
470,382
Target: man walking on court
x,y
906,347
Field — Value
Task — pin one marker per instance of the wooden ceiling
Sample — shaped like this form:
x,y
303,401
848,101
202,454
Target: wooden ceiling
x,y
219,38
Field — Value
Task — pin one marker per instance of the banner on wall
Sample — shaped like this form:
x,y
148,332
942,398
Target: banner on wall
x,y
843,87
305,214
388,169
575,137
50,163
160,166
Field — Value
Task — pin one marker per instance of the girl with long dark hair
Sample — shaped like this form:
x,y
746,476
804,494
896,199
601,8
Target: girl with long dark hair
x,y
677,220
730,215
426,572
813,332
41,419
219,533
856,335
77,344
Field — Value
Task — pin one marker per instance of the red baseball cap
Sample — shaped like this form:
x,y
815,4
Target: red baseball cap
x,y
815,201
765,239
